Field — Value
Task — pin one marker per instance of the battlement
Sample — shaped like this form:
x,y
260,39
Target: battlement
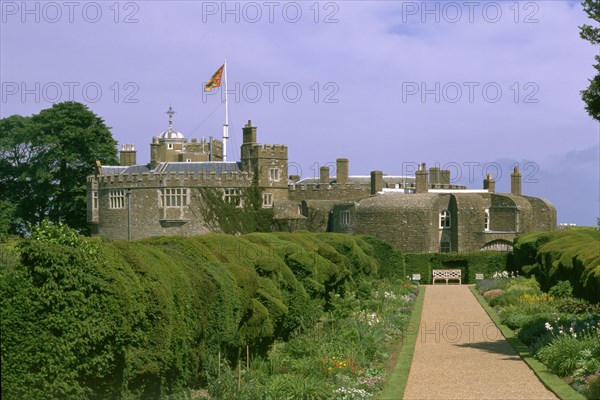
x,y
270,151
192,179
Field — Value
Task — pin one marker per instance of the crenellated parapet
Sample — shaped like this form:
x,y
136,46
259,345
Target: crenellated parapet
x,y
182,179
270,151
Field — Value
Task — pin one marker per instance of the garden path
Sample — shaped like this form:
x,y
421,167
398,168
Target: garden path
x,y
460,354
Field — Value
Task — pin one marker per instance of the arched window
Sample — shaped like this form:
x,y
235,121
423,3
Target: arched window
x,y
487,219
445,222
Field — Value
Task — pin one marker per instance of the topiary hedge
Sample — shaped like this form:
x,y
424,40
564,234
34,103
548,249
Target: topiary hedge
x,y
98,319
571,255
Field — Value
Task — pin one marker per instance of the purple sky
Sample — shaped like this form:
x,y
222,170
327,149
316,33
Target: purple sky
x,y
473,86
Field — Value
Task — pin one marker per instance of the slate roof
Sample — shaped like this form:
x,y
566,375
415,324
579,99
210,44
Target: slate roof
x,y
197,167
174,167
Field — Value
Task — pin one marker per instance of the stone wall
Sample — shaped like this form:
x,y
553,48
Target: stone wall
x,y
143,212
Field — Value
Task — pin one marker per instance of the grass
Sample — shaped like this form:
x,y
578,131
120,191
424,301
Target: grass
x,y
550,380
396,383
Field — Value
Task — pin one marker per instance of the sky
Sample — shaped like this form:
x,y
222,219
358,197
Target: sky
x,y
470,86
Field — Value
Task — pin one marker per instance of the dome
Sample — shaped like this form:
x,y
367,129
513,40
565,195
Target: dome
x,y
171,134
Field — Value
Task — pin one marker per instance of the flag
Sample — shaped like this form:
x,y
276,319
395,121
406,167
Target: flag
x,y
215,81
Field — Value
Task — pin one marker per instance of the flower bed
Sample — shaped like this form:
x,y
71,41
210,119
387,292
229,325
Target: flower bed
x,y
561,331
342,357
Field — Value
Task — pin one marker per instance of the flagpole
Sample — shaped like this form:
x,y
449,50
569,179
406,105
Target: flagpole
x,y
226,125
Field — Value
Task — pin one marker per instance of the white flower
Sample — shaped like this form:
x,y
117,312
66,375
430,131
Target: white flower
x,y
548,326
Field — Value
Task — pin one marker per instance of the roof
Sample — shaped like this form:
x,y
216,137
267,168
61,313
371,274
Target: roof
x,y
197,167
174,167
112,169
397,201
360,180
171,134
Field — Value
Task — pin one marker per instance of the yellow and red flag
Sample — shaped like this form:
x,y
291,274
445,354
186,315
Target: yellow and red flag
x,y
215,81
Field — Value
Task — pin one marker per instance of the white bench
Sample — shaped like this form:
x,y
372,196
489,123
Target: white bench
x,y
446,275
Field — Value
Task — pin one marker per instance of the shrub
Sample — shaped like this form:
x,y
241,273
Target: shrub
x,y
506,298
561,289
534,329
523,284
564,354
573,306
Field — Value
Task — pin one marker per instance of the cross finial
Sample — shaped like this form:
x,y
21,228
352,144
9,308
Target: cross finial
x,y
170,112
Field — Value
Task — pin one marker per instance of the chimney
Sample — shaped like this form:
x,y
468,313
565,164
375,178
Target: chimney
x,y
324,175
249,133
489,183
435,177
341,171
421,181
376,182
515,182
127,155
445,176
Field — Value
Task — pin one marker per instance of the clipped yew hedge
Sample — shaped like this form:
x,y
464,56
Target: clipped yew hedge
x,y
98,319
482,262
571,255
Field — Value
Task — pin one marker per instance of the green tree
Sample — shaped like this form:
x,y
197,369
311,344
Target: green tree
x,y
591,95
45,159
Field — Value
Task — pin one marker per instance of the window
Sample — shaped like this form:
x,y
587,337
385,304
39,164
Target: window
x,y
267,200
95,199
345,217
445,247
487,219
116,199
445,222
170,146
274,174
233,196
188,160
173,198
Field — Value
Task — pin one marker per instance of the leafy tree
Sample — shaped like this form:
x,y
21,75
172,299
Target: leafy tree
x,y
591,95
45,159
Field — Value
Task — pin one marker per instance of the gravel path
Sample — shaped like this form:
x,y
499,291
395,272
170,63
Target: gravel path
x,y
460,354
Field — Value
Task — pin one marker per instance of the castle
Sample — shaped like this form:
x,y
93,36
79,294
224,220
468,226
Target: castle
x,y
420,213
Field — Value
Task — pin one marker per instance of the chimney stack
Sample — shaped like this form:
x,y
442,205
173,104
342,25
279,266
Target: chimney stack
x,y
421,179
127,155
515,182
249,133
489,183
376,182
435,176
341,173
324,175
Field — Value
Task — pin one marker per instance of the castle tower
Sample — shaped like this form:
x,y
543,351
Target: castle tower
x,y
268,164
167,146
421,179
515,182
